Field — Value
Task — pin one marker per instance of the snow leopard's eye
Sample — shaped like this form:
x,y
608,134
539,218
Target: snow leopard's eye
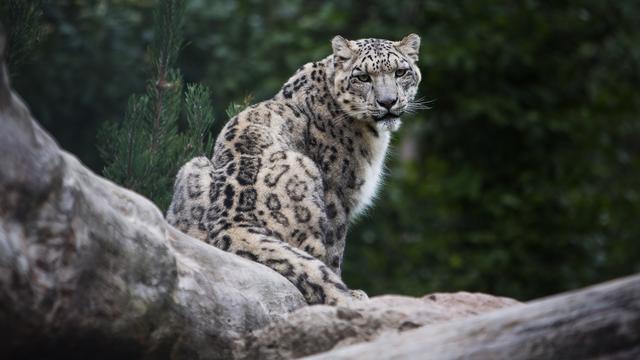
x,y
364,78
401,72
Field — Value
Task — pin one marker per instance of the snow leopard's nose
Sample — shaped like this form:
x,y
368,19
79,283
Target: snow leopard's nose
x,y
387,103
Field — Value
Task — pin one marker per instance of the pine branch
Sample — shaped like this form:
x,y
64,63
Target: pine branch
x,y
199,119
168,20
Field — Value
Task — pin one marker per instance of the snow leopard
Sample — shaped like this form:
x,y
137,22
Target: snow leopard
x,y
289,174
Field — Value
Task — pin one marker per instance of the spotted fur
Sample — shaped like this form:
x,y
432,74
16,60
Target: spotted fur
x,y
289,174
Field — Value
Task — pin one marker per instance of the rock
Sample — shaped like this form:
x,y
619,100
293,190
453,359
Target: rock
x,y
320,328
599,322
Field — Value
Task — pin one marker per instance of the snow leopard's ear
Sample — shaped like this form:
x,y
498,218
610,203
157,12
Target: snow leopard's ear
x,y
342,50
409,46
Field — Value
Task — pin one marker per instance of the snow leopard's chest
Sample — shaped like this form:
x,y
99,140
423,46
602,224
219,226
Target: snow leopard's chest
x,y
350,157
370,171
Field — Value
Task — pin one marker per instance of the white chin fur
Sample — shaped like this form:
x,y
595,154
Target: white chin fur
x,y
389,125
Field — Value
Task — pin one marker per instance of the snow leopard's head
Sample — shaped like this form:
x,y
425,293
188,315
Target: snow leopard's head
x,y
376,80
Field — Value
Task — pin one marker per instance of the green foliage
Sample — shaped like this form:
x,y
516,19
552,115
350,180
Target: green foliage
x,y
84,69
168,17
523,178
21,20
146,147
199,121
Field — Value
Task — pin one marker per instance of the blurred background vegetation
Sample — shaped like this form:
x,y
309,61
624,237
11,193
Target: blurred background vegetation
x,y
523,179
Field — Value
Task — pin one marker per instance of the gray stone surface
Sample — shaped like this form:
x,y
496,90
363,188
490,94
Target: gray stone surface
x,y
600,322
321,328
